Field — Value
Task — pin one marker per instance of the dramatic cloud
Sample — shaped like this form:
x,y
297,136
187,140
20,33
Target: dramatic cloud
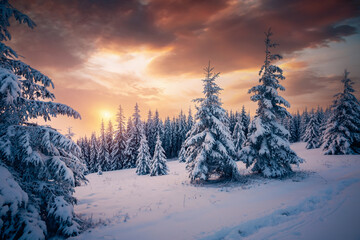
x,y
105,53
228,32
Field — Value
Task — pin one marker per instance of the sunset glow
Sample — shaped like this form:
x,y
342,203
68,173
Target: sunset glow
x,y
153,53
106,115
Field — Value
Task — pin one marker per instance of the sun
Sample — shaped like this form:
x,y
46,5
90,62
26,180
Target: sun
x,y
106,115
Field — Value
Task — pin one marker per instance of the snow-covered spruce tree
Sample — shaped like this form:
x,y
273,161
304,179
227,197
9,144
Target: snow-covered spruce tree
x,y
323,124
342,134
109,137
294,128
267,147
119,143
133,141
312,136
232,121
238,136
94,156
103,150
180,132
69,133
156,127
149,132
245,118
190,121
143,157
84,145
39,167
305,117
209,148
184,129
168,134
158,162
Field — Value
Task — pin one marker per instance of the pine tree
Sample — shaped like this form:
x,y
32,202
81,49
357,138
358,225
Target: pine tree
x,y
209,147
143,157
267,147
190,122
129,126
150,132
39,167
158,163
342,134
232,121
69,133
180,133
312,136
84,145
103,150
174,141
157,128
245,118
133,141
168,134
109,137
238,136
94,156
294,128
119,143
323,124
304,121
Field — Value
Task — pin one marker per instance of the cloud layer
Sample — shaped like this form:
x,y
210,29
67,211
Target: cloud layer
x,y
176,39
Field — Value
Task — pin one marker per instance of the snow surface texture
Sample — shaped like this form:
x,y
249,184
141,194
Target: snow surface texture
x,y
320,201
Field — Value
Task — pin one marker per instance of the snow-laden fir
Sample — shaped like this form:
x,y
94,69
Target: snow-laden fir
x,y
103,150
267,148
39,167
133,141
119,142
239,135
209,148
158,162
143,157
312,135
342,134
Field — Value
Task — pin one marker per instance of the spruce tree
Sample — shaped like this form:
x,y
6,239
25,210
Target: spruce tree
x,y
209,146
294,128
70,134
143,157
150,132
39,167
157,128
190,121
342,134
245,118
305,117
84,145
232,121
94,156
119,143
158,163
267,147
312,136
238,136
133,141
168,134
103,150
109,137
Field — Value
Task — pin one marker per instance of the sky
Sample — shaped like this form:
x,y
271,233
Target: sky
x,y
102,54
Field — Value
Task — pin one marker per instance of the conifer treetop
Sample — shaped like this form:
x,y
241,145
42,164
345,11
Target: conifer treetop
x,y
266,94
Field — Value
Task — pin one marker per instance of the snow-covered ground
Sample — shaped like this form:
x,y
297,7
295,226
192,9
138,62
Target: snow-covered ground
x,y
321,201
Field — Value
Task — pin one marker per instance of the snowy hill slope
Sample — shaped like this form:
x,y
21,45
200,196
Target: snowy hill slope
x,y
321,201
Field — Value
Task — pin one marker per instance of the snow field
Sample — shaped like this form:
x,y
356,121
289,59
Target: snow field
x,y
320,201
